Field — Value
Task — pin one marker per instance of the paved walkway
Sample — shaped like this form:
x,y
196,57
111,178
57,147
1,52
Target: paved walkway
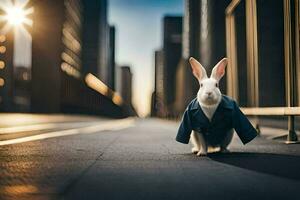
x,y
145,162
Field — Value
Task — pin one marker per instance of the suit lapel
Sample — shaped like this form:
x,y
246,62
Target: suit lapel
x,y
218,116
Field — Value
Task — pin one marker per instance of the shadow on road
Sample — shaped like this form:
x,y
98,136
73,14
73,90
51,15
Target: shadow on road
x,y
285,166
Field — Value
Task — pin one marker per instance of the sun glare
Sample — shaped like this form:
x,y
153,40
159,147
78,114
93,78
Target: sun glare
x,y
15,16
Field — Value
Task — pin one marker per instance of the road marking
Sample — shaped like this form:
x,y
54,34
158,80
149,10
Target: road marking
x,y
112,125
26,128
38,127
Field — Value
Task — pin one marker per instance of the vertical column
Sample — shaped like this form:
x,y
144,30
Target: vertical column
x,y
231,46
290,69
252,56
252,53
297,47
232,79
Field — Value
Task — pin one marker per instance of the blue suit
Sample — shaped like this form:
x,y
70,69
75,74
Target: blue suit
x,y
227,116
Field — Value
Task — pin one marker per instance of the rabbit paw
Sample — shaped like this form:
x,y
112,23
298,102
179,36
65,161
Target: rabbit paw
x,y
224,150
195,150
202,153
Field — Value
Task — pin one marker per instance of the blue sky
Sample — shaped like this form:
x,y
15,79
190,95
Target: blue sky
x,y
138,34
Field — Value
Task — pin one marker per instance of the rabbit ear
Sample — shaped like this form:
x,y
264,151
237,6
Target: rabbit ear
x,y
198,71
219,70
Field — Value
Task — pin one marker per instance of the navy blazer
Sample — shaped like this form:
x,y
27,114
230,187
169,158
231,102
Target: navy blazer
x,y
227,116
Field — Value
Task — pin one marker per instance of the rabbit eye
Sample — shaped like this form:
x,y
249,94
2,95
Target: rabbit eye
x,y
201,84
217,85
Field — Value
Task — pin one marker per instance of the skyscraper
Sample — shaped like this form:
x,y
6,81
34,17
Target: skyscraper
x,y
191,29
111,61
126,84
95,38
204,39
186,85
22,80
212,37
172,48
56,51
158,95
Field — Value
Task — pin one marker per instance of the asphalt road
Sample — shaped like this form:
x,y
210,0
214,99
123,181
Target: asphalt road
x,y
141,161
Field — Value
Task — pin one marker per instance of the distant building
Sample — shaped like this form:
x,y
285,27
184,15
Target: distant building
x,y
126,84
157,105
22,85
6,72
172,48
191,29
153,111
95,38
186,84
203,39
104,41
111,60
212,34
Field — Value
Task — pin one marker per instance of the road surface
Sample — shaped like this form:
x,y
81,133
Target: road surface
x,y
139,159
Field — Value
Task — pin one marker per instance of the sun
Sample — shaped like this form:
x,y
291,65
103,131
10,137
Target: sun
x,y
16,15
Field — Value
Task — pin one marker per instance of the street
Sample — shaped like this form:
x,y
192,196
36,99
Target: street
x,y
139,159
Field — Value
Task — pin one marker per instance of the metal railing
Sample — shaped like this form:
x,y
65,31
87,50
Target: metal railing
x,y
291,60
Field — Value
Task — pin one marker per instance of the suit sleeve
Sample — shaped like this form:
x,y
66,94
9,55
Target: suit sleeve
x,y
185,128
242,126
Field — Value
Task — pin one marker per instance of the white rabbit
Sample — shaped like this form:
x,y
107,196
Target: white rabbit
x,y
209,96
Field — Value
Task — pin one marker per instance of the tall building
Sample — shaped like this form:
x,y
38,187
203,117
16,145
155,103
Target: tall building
x,y
203,38
112,63
104,41
6,72
157,102
212,36
186,85
126,84
191,29
95,47
22,85
172,48
56,51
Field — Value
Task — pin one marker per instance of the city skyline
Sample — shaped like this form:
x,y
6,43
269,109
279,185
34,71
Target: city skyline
x,y
138,33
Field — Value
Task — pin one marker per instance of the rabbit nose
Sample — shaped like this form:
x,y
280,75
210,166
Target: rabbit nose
x,y
208,93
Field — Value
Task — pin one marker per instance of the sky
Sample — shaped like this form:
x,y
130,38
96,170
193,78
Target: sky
x,y
138,34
